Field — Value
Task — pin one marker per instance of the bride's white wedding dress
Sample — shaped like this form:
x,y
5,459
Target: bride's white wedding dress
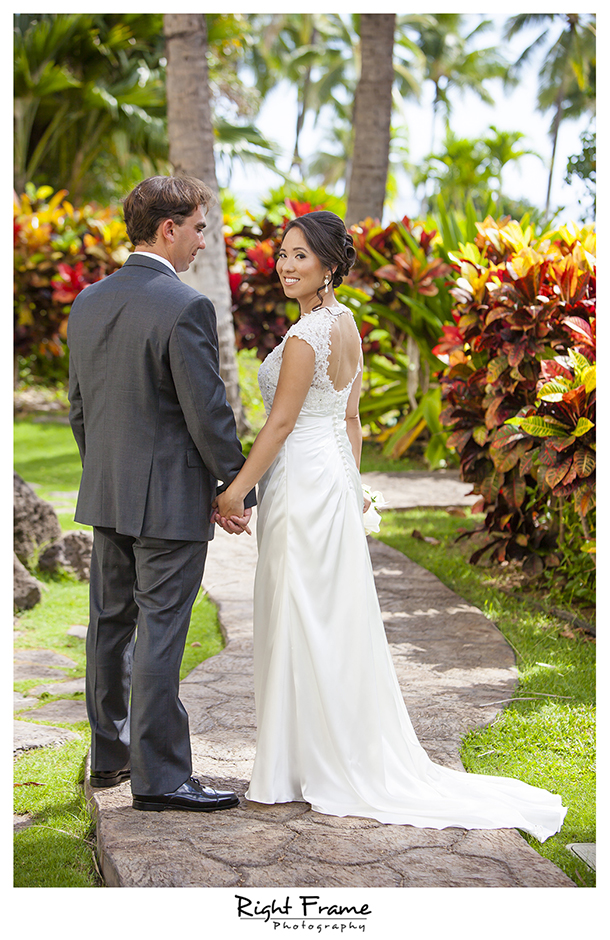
x,y
333,729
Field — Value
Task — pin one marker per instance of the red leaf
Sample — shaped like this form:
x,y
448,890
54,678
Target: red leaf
x,y
581,327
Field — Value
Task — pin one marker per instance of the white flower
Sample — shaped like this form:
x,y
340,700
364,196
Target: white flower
x,y
372,519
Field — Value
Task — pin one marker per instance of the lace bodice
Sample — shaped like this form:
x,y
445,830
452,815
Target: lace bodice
x,y
323,398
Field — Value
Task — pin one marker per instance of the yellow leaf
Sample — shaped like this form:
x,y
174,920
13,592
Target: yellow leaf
x,y
522,263
589,379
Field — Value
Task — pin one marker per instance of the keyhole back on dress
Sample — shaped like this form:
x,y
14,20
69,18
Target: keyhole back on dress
x,y
345,351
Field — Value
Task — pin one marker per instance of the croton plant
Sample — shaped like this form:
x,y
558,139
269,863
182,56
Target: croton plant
x,y
59,249
519,385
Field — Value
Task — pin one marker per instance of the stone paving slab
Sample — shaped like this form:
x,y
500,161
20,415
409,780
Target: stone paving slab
x,y
64,687
445,652
40,664
585,851
67,711
410,489
28,735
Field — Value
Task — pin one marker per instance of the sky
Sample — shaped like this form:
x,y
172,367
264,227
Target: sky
x,y
513,110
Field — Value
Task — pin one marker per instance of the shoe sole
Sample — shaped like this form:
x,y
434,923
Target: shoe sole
x,y
159,807
98,783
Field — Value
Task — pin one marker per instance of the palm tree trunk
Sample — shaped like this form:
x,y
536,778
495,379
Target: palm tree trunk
x,y
559,100
372,114
302,110
191,152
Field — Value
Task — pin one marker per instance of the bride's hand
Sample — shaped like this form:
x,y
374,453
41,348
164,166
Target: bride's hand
x,y
229,505
229,513
367,504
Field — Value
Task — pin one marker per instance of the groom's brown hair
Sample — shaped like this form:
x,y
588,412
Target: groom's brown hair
x,y
162,197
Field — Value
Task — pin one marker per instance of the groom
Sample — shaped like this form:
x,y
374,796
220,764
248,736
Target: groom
x,y
155,433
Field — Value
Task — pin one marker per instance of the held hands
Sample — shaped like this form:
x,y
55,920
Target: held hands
x,y
229,514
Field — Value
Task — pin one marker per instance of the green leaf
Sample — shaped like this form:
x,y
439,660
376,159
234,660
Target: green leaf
x,y
496,367
583,425
354,292
480,434
580,364
554,391
542,427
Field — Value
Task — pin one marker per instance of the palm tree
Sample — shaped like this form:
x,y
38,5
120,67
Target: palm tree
x,y
502,150
235,101
372,116
90,107
191,150
566,80
313,52
80,94
450,62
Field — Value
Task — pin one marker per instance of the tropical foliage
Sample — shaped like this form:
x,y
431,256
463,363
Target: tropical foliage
x,y
519,388
89,100
472,170
567,76
398,293
59,249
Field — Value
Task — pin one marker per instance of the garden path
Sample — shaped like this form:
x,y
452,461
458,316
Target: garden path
x,y
445,652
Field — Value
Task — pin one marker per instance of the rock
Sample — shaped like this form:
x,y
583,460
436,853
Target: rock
x,y
27,735
78,630
71,552
66,711
23,671
64,687
23,701
27,591
44,657
40,664
35,520
21,821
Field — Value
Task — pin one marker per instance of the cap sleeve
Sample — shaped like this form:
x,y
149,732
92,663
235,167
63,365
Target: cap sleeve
x,y
314,330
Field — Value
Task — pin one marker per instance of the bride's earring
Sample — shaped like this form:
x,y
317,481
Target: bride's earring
x,y
326,280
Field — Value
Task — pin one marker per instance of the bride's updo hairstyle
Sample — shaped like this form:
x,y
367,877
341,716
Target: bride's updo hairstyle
x,y
330,242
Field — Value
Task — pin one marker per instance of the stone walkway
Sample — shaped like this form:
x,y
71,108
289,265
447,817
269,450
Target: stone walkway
x,y
455,670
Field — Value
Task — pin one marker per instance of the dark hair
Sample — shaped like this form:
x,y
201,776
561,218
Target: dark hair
x,y
162,197
330,242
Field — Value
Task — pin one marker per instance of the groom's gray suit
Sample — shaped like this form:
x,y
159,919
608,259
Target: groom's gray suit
x,y
155,433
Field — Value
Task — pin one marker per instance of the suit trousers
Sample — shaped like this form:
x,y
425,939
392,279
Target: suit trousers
x,y
142,592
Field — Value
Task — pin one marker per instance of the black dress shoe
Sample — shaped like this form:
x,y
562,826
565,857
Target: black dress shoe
x,y
108,778
190,796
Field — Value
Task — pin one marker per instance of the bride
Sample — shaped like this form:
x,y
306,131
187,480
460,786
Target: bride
x,y
332,726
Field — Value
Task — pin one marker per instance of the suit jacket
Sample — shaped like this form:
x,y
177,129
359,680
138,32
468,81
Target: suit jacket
x,y
148,408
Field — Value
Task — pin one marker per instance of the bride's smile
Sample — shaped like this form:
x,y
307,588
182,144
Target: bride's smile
x,y
301,272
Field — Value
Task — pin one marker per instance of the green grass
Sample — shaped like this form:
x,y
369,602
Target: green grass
x,y
546,735
248,366
46,453
374,461
57,848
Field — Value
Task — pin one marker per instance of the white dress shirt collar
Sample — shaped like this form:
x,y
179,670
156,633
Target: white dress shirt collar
x,y
151,254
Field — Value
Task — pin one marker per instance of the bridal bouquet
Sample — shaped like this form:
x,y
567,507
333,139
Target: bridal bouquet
x,y
371,517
